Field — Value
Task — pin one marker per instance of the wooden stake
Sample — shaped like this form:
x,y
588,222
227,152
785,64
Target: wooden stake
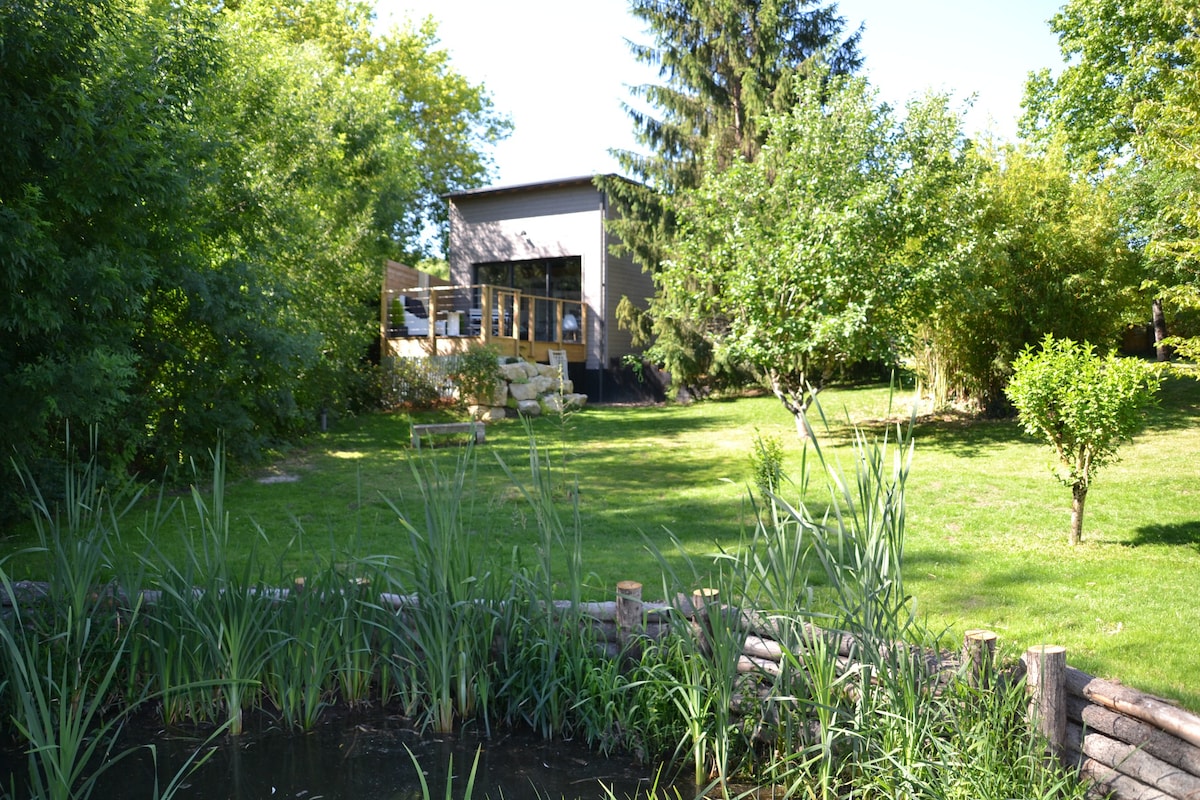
x,y
979,656
629,610
1045,683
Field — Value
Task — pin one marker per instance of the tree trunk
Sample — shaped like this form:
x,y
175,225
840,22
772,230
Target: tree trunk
x,y
1160,330
1078,497
796,406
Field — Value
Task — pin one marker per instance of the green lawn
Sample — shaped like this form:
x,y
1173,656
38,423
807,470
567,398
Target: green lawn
x,y
987,524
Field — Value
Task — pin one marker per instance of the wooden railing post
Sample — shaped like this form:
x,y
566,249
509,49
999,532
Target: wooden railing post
x,y
979,657
1046,686
432,314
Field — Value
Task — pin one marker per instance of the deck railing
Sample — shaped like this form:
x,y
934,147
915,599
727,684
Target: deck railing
x,y
461,312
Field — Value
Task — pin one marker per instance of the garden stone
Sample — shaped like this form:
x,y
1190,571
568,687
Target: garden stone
x,y
529,408
523,391
486,413
514,372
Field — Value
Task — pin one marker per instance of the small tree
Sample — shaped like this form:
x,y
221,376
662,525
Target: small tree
x,y
1085,405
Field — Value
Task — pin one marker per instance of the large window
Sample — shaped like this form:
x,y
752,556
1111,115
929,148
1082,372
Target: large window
x,y
559,278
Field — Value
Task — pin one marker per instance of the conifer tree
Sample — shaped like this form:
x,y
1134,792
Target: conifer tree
x,y
723,65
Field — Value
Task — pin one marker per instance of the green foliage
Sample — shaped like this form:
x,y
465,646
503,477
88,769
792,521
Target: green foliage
x,y
825,250
476,373
1083,405
723,65
1125,103
194,203
1042,252
766,461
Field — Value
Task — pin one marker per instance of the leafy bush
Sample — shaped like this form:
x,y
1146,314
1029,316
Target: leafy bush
x,y
476,372
1084,406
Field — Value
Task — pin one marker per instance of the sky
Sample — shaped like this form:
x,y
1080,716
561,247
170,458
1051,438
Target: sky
x,y
560,68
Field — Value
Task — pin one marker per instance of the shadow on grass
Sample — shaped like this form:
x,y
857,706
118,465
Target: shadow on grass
x,y
967,438
1178,405
1183,534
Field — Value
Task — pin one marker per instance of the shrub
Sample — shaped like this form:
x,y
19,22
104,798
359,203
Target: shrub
x,y
476,372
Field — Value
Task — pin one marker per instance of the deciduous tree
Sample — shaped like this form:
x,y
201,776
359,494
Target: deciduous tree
x,y
1125,104
823,251
1084,406
1042,252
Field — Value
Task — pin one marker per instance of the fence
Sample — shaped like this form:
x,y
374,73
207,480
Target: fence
x,y
1126,744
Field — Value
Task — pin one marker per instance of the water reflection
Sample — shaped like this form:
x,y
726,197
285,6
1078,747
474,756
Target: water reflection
x,y
364,757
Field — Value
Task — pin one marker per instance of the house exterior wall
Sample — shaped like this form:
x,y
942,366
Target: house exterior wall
x,y
549,221
625,277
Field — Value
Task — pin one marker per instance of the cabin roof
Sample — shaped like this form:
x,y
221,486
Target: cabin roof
x,y
518,188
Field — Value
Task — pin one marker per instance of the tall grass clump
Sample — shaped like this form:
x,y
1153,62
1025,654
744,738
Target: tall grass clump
x,y
859,704
62,651
440,639
214,622
68,654
548,655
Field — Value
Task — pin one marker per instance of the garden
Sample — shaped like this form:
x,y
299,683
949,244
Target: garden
x,y
553,513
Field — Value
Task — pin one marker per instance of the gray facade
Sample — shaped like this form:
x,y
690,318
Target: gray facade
x,y
552,220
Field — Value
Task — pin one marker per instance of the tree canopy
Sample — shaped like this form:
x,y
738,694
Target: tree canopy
x,y
195,201
1125,105
826,249
1041,252
724,65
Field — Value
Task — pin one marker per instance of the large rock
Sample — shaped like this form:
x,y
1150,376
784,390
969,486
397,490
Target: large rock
x,y
523,391
486,413
498,397
557,403
529,408
514,372
543,384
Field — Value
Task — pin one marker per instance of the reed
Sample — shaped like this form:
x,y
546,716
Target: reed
x,y
303,644
556,680
69,655
440,644
223,619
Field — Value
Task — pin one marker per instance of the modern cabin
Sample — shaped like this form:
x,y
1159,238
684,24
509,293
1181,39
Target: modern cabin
x,y
531,270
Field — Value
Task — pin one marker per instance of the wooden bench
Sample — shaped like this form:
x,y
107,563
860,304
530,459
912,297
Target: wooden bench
x,y
432,429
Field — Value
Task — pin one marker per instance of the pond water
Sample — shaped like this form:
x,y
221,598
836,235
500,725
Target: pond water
x,y
364,757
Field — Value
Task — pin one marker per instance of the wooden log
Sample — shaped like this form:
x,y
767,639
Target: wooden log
x,y
760,647
750,665
1106,782
630,622
979,657
768,626
1139,705
1143,735
1046,667
702,599
1138,764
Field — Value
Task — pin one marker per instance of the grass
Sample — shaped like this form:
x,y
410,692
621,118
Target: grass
x,y
986,528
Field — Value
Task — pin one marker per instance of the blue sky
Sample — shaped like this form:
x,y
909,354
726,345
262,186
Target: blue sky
x,y
560,68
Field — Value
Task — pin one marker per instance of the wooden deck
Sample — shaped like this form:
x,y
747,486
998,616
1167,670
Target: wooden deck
x,y
522,325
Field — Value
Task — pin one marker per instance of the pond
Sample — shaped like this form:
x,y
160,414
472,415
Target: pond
x,y
366,756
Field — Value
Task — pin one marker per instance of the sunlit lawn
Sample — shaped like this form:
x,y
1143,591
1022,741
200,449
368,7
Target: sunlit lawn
x,y
987,524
